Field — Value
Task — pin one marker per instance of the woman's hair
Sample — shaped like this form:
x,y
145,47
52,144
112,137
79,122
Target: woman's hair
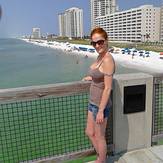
x,y
100,31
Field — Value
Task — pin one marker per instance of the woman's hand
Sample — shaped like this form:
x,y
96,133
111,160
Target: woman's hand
x,y
100,117
87,78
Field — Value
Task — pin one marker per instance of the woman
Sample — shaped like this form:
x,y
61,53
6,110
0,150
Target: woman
x,y
101,76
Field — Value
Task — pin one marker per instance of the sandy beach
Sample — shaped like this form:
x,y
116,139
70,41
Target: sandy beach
x,y
145,63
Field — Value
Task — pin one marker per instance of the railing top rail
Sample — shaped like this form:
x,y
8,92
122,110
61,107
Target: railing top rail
x,y
158,80
60,89
34,92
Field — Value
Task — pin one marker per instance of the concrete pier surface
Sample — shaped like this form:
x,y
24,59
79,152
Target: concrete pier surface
x,y
148,155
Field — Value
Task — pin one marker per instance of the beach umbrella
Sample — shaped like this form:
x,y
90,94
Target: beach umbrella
x,y
111,50
141,53
123,51
128,51
134,51
161,55
91,50
83,48
147,53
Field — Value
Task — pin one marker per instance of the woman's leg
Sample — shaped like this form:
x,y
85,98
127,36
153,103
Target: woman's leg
x,y
90,129
101,141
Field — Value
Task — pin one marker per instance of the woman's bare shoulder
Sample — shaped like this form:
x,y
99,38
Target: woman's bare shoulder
x,y
108,59
108,65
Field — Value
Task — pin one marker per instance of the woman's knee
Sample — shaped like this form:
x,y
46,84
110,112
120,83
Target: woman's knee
x,y
89,133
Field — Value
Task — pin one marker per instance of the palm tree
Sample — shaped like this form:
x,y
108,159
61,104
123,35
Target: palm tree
x,y
140,36
147,36
144,38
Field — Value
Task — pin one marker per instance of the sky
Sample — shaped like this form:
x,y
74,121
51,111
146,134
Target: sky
x,y
20,16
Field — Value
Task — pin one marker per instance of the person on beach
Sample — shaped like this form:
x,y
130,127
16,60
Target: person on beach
x,y
101,76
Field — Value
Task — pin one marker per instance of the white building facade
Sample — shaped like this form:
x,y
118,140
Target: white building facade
x,y
61,20
101,8
161,25
36,33
134,25
71,23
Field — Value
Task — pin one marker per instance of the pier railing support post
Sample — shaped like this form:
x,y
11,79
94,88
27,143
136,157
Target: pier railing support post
x,y
132,111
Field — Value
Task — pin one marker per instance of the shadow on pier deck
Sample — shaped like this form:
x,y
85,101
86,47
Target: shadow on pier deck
x,y
147,155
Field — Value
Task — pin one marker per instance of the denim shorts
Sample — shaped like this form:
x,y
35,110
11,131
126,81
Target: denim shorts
x,y
94,109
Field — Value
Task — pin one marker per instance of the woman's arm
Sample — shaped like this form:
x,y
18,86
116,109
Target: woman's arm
x,y
106,93
108,70
87,78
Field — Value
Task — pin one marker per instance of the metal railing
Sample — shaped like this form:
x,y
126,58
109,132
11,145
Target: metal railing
x,y
44,122
157,128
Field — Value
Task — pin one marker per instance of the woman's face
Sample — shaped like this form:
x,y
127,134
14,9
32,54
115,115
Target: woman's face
x,y
99,43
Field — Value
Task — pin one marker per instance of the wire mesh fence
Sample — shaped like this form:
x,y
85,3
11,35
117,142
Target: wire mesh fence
x,y
44,127
157,132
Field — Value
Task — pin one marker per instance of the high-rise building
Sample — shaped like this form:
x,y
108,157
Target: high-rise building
x,y
161,22
36,33
101,8
71,23
136,24
62,28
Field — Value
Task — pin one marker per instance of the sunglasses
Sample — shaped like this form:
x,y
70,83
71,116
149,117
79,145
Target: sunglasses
x,y
99,42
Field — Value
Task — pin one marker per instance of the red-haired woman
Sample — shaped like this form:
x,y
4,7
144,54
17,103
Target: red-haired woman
x,y
101,76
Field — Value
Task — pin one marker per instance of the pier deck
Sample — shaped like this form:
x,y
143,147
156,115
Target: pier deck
x,y
148,155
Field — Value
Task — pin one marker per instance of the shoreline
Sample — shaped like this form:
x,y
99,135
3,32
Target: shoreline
x,y
65,47
152,63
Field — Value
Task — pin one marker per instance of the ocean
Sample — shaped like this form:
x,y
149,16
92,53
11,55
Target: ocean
x,y
42,128
23,64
